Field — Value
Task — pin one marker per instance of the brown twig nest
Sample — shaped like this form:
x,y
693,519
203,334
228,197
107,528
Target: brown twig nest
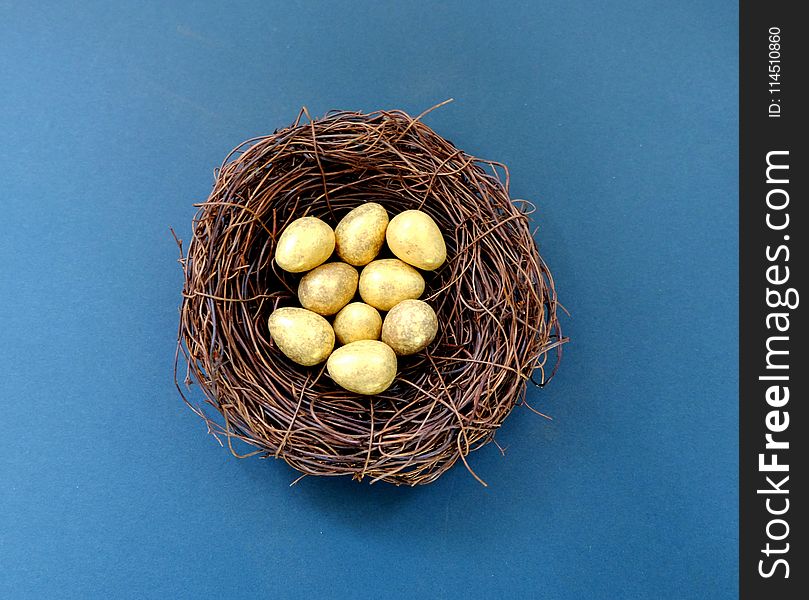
x,y
494,298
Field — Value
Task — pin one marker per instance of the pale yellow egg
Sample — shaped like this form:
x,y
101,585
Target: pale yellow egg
x,y
415,238
364,367
304,244
360,234
303,336
357,321
386,282
328,288
409,327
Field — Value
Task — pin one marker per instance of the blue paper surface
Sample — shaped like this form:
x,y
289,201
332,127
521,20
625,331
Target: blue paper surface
x,y
619,120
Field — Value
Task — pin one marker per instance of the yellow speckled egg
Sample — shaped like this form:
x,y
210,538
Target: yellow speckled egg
x,y
303,336
357,321
386,282
360,234
328,288
415,238
304,244
364,367
409,327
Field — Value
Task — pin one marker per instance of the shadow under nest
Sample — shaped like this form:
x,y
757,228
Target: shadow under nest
x,y
494,299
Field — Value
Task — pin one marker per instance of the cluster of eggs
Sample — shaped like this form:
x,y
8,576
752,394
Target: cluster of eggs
x,y
366,362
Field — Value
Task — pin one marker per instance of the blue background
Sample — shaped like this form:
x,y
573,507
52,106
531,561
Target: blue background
x,y
618,119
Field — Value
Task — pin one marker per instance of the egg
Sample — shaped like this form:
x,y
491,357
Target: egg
x,y
409,327
328,288
415,238
303,336
304,244
386,282
357,321
364,367
360,234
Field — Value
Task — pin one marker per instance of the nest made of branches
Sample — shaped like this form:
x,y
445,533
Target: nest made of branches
x,y
494,298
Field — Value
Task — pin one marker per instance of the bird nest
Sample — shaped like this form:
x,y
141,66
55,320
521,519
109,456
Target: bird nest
x,y
494,298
